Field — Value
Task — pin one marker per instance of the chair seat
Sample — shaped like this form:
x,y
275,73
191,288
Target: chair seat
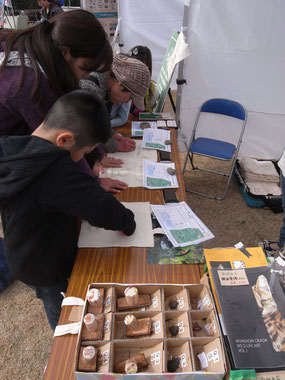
x,y
213,148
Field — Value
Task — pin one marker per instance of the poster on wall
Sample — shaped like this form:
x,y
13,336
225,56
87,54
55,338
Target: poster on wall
x,y
106,11
1,13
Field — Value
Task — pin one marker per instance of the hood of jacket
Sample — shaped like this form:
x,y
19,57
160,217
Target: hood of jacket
x,y
22,160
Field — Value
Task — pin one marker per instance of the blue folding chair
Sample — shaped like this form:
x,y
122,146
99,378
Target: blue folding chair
x,y
216,149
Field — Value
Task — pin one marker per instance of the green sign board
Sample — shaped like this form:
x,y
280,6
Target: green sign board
x,y
164,77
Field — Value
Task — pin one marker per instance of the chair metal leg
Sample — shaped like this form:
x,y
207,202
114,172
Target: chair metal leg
x,y
185,161
229,175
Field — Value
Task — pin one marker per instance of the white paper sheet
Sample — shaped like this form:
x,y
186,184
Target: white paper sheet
x,y
142,237
155,175
181,225
132,170
161,124
155,139
136,127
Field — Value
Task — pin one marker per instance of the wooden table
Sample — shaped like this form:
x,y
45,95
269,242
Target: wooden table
x,y
123,265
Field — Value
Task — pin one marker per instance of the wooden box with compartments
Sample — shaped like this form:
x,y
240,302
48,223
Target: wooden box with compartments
x,y
149,330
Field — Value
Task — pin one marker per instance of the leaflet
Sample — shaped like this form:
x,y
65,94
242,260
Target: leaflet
x,y
156,139
156,176
181,225
137,131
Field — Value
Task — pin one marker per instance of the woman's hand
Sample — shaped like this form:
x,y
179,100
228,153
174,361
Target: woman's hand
x,y
124,144
110,162
112,185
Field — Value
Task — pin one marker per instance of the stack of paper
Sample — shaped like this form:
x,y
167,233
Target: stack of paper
x,y
261,177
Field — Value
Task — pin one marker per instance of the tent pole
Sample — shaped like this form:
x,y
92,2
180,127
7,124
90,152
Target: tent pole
x,y
180,80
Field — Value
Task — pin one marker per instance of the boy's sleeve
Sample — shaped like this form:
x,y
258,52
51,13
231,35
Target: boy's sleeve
x,y
73,192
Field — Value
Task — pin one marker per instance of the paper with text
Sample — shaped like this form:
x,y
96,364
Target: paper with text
x,y
155,175
156,139
181,225
137,131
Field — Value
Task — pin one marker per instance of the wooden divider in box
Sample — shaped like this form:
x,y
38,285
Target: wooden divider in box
x,y
156,331
204,324
152,350
200,298
176,299
178,349
177,324
150,298
208,355
94,335
107,293
106,329
103,358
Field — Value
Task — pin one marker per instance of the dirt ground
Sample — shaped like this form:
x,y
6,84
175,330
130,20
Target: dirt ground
x,y
26,338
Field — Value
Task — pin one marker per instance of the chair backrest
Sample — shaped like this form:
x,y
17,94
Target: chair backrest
x,y
224,107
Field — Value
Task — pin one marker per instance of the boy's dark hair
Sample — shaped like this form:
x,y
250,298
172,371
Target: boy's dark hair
x,y
84,114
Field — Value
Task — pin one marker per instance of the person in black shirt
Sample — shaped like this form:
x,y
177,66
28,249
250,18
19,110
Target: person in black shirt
x,y
43,192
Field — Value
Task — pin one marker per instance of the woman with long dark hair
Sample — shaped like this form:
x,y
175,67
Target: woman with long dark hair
x,y
39,64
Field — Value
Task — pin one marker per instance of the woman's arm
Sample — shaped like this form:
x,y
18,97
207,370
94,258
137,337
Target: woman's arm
x,y
122,115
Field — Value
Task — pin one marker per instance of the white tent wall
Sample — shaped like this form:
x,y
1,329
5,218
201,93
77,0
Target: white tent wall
x,y
149,23
238,52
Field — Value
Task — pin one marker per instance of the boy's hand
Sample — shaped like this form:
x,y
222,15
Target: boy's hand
x,y
112,185
110,162
124,144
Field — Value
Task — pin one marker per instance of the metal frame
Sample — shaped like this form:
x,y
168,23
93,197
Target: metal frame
x,y
190,154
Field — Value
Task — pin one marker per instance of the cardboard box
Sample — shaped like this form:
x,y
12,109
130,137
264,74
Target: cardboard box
x,y
160,346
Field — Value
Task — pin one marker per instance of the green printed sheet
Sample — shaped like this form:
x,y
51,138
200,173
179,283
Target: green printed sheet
x,y
155,146
157,182
187,234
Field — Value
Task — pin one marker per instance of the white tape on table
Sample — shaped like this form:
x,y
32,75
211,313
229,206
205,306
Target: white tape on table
x,y
71,328
73,301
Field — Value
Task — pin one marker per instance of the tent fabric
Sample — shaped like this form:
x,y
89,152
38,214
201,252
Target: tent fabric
x,y
149,23
238,52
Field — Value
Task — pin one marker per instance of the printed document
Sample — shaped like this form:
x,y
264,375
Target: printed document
x,y
142,237
181,225
156,176
138,131
156,139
